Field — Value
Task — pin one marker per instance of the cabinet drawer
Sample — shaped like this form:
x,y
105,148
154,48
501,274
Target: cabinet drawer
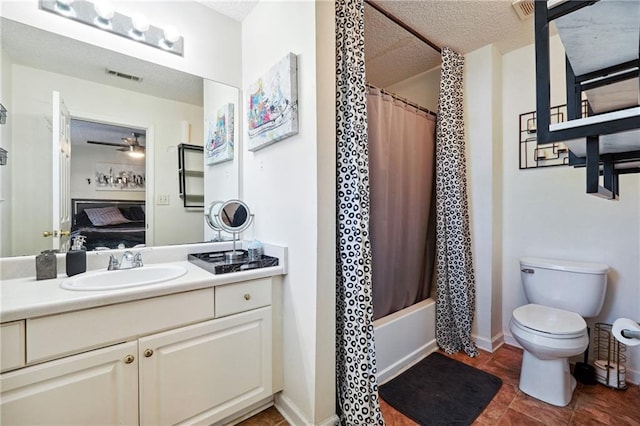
x,y
240,297
12,352
56,335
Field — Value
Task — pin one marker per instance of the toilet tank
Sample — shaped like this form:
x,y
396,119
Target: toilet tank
x,y
573,286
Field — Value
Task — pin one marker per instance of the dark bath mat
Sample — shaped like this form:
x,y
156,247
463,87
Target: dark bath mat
x,y
441,391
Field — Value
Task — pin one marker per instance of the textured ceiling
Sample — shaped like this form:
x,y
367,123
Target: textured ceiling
x,y
237,9
392,54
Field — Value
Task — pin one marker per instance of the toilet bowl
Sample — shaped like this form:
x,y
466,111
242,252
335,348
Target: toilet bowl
x,y
551,328
549,336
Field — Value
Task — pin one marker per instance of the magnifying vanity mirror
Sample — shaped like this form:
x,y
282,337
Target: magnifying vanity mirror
x,y
232,216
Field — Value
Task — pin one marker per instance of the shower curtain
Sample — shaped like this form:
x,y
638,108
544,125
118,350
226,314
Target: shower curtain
x,y
357,388
455,287
401,170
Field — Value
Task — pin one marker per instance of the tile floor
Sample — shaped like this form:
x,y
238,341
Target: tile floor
x,y
591,405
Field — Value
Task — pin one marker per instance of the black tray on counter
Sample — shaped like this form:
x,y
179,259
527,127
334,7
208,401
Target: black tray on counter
x,y
216,263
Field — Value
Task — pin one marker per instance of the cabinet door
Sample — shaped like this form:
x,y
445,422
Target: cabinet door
x,y
203,373
97,387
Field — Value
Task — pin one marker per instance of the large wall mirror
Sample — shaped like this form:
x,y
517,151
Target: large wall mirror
x,y
118,106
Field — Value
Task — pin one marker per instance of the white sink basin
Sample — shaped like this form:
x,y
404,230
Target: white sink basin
x,y
123,278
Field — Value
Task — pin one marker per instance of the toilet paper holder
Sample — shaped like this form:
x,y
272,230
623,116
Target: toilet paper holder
x,y
630,334
609,357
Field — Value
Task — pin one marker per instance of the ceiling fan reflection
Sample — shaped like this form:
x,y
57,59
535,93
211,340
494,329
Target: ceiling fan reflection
x,y
131,145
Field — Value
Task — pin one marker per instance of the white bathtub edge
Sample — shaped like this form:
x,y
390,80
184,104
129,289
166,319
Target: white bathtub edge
x,y
406,362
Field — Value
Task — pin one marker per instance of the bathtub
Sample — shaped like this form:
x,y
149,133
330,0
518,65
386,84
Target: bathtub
x,y
404,338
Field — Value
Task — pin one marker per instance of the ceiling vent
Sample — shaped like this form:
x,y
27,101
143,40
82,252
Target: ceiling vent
x,y
524,8
123,75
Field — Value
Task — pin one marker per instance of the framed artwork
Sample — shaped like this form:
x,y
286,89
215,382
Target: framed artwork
x,y
272,112
219,144
119,177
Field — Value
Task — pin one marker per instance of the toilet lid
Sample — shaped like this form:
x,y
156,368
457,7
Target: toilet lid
x,y
549,320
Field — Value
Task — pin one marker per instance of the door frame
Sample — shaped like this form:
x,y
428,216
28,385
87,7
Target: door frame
x,y
149,238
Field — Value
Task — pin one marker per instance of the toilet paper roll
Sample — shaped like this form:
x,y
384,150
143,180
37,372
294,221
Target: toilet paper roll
x,y
610,373
625,324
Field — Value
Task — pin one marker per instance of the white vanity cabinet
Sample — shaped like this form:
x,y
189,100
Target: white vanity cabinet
x,y
93,388
199,368
205,372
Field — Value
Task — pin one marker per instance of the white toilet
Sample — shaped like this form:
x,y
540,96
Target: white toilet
x,y
551,328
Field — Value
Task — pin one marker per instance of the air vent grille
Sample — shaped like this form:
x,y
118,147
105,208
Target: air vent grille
x,y
123,75
524,8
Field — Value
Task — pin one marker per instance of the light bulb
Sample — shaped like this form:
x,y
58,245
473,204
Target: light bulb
x,y
171,36
105,11
63,7
140,25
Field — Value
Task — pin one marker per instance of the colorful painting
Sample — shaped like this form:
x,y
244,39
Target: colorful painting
x,y
120,177
273,105
219,146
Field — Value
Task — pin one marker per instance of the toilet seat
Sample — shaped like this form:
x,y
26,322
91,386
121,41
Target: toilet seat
x,y
549,322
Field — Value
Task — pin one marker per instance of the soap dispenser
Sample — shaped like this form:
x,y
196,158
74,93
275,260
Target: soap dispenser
x,y
77,257
46,265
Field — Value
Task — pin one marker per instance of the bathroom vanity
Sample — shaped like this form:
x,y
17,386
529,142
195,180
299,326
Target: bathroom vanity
x,y
199,349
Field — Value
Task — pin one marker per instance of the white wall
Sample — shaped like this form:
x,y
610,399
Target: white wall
x,y
547,213
211,40
422,88
483,131
32,90
290,186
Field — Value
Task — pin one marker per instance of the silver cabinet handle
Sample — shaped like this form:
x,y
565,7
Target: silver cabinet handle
x,y
527,271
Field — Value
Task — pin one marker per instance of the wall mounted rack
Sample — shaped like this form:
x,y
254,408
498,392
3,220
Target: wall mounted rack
x,y
600,38
191,175
534,155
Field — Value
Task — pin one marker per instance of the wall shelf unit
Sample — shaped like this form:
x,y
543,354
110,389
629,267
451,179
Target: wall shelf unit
x,y
191,175
600,38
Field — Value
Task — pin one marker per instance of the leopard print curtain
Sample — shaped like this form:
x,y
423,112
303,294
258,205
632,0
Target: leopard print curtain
x,y
357,388
455,287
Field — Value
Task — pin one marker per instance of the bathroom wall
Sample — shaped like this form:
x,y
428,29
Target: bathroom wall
x,y
547,213
484,140
422,88
290,186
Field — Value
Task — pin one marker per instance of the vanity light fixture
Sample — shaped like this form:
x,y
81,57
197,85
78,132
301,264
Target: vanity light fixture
x,y
102,14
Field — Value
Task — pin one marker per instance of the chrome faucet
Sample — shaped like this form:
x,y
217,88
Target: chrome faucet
x,y
128,261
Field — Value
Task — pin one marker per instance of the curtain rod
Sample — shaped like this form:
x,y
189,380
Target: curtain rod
x,y
397,21
405,100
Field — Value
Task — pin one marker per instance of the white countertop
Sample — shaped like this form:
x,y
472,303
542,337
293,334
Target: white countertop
x,y
22,298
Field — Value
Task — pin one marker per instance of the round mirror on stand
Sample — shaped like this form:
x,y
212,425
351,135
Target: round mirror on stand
x,y
211,216
232,216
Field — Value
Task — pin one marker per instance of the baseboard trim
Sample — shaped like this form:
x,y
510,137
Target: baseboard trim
x,y
406,362
294,416
489,345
